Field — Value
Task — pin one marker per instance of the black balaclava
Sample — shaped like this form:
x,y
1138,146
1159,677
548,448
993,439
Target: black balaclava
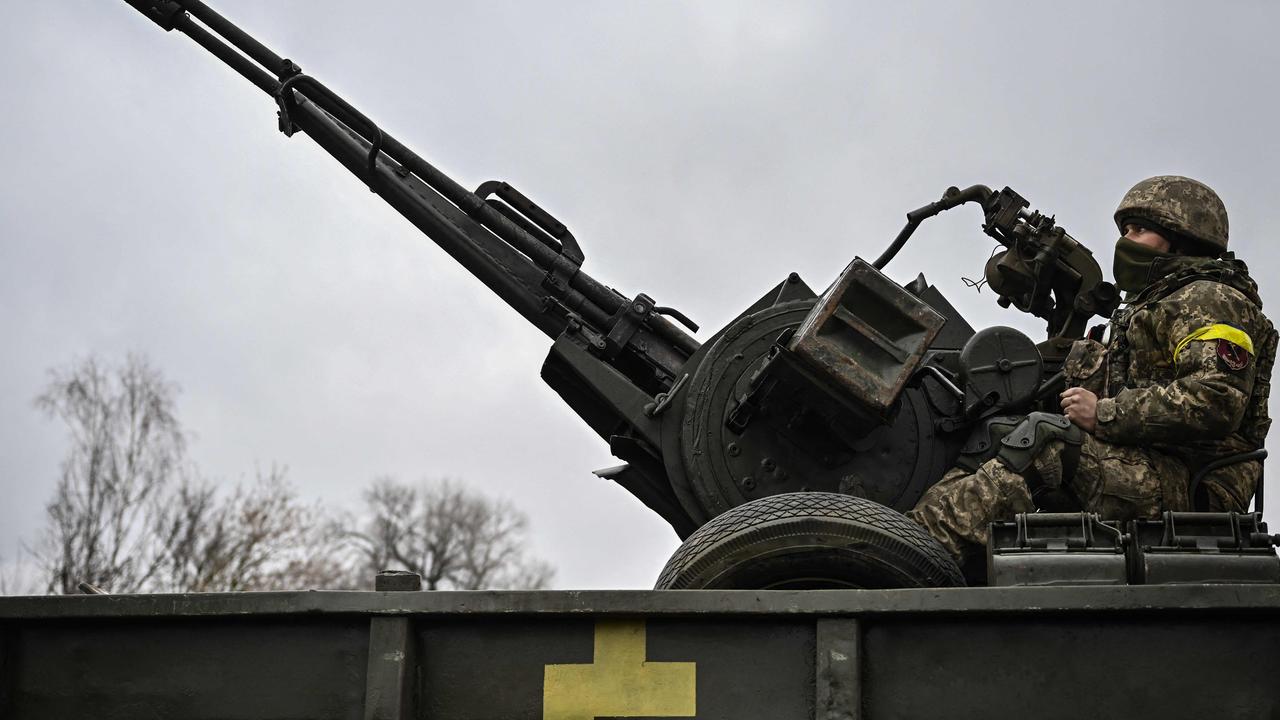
x,y
1132,264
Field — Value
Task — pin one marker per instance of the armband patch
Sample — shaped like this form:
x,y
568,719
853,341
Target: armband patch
x,y
1234,345
1233,356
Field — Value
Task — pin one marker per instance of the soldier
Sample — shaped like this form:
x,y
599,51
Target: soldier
x,y
1183,381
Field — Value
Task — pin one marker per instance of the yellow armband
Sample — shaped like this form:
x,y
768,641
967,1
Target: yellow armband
x,y
1233,335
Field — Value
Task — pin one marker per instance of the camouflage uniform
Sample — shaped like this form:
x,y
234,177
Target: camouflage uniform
x,y
1158,420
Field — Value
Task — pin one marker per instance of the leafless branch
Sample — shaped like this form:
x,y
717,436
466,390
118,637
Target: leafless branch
x,y
453,538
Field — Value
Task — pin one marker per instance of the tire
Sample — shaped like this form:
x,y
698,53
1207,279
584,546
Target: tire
x,y
809,540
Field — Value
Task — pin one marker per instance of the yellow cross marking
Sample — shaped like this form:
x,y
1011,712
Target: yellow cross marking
x,y
620,683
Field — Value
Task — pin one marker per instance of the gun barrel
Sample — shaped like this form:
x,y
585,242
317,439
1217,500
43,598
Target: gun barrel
x,y
242,40
540,281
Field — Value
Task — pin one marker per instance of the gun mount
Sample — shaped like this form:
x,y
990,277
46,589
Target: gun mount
x,y
866,390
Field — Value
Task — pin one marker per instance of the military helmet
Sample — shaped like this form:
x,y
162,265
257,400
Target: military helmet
x,y
1178,204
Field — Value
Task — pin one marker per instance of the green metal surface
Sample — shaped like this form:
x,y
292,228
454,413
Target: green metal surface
x,y
1011,600
1173,651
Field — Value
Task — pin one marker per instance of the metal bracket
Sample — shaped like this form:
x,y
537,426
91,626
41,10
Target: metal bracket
x,y
1002,210
1246,530
1059,530
285,103
559,277
533,219
591,339
288,69
760,385
538,223
626,322
330,102
663,400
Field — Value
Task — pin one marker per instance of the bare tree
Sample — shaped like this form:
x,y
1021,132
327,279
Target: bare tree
x,y
126,445
454,539
261,537
129,515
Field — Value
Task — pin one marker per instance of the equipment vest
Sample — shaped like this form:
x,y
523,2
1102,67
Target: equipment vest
x,y
1179,272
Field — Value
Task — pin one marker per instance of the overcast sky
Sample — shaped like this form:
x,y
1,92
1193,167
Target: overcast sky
x,y
699,151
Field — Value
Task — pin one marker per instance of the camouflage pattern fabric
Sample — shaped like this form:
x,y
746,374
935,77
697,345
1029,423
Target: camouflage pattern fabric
x,y
1118,482
1158,420
1201,407
1180,204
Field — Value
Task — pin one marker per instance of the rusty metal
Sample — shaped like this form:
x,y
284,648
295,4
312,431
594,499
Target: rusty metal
x,y
867,336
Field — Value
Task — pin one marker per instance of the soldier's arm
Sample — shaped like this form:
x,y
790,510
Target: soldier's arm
x,y
1207,396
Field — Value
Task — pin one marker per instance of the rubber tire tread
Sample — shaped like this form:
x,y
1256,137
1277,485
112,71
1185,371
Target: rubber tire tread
x,y
904,542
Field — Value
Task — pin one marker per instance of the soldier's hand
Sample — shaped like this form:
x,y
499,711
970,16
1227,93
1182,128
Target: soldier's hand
x,y
1081,407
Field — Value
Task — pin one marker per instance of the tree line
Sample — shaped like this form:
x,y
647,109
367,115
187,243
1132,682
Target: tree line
x,y
131,513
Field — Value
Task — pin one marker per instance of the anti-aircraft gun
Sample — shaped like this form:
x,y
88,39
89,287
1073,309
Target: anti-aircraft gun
x,y
868,390
861,394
